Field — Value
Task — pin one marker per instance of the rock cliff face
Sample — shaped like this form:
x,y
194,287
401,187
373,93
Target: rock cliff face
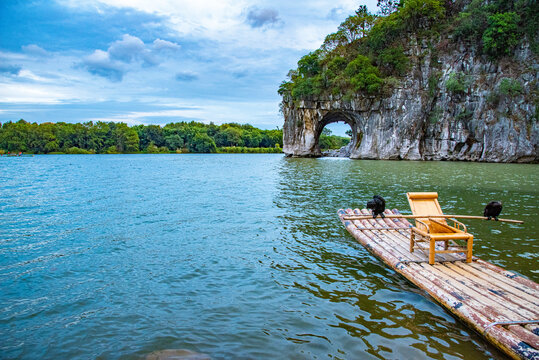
x,y
424,116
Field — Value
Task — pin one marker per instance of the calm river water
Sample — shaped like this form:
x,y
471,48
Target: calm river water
x,y
235,256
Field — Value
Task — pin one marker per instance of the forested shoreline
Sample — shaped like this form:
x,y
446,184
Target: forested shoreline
x,y
114,138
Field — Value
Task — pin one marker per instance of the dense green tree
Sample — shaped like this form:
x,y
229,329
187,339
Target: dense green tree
x,y
43,138
252,138
393,61
97,136
131,141
471,23
151,148
326,142
151,133
14,136
111,150
202,143
421,13
174,141
126,139
309,65
363,75
498,25
502,34
272,138
229,136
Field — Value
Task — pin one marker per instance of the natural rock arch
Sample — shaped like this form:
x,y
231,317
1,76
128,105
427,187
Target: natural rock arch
x,y
305,120
334,116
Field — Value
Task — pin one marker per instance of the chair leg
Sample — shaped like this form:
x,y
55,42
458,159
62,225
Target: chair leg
x,y
469,244
432,251
412,241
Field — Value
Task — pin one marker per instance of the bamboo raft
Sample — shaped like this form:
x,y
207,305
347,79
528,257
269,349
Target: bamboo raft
x,y
500,305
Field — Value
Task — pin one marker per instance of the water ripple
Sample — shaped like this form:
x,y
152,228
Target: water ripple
x,y
236,256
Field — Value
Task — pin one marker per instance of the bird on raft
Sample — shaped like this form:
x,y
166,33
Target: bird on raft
x,y
377,205
493,210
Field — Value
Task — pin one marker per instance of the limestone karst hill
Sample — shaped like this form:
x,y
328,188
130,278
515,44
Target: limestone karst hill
x,y
432,80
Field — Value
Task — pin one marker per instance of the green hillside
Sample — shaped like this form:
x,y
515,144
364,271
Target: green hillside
x,y
369,53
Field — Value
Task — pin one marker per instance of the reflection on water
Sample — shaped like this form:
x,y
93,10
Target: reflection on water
x,y
388,317
234,256
319,186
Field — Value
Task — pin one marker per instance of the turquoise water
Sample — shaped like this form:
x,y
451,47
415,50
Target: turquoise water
x,y
235,256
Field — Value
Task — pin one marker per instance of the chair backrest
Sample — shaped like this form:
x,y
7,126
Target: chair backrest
x,y
425,203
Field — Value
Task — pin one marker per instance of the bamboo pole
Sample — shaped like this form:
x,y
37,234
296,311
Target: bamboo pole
x,y
364,217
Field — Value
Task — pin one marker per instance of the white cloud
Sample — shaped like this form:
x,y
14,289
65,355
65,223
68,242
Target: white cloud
x,y
100,63
18,93
260,17
35,50
27,74
159,44
229,21
127,49
112,64
55,80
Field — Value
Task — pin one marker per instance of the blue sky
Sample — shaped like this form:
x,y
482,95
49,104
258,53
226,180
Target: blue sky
x,y
158,61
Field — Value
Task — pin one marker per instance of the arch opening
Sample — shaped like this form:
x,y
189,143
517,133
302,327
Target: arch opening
x,y
355,133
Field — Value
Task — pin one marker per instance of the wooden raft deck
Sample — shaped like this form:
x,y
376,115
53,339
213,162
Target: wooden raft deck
x,y
484,296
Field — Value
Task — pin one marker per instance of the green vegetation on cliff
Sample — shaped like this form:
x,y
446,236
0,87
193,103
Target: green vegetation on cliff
x,y
368,52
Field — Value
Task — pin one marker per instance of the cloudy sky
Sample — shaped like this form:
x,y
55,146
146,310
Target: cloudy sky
x,y
156,61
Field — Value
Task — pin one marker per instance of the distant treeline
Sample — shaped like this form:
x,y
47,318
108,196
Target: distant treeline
x,y
110,138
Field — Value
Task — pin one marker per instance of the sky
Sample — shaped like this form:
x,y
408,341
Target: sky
x,y
158,61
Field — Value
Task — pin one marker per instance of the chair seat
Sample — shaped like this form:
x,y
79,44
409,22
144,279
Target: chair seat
x,y
449,236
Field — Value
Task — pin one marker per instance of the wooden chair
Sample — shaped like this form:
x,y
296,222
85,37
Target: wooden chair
x,y
432,230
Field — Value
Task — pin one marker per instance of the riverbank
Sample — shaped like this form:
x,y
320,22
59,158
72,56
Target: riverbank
x,y
223,150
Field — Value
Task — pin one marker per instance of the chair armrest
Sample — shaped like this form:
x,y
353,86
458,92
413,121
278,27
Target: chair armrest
x,y
458,225
424,233
446,226
424,224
